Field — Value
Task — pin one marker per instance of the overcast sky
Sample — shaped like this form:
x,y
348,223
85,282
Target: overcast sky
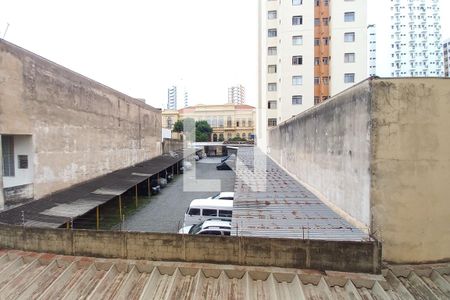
x,y
143,47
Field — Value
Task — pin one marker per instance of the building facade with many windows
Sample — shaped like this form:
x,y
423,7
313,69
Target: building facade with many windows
x,y
236,94
446,47
416,49
308,52
227,120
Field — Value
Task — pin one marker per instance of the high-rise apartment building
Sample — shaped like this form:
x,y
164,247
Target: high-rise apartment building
x,y
416,38
236,94
446,47
372,48
308,51
172,98
186,99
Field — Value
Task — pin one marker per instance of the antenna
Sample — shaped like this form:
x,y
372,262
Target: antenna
x,y
6,30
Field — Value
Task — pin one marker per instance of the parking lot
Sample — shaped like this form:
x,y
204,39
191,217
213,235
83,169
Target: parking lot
x,y
165,211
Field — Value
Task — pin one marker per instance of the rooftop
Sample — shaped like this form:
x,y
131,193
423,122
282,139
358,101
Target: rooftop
x,y
34,275
56,209
268,202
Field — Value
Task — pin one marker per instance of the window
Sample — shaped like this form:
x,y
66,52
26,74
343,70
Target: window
x,y
316,100
326,41
272,87
316,22
297,60
194,212
316,61
297,40
297,2
349,57
297,20
210,212
349,16
272,122
272,32
297,99
316,42
325,21
325,60
325,80
272,51
272,104
297,80
23,161
225,213
272,14
349,77
8,155
349,37
316,80
271,68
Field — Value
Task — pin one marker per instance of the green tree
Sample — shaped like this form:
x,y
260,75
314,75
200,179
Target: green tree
x,y
202,131
178,126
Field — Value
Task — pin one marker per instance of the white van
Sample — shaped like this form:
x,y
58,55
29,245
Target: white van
x,y
208,209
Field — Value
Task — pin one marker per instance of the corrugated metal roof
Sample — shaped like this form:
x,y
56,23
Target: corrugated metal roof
x,y
56,209
268,202
29,275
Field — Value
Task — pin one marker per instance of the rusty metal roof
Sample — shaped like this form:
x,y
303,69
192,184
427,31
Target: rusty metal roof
x,y
30,275
56,209
268,202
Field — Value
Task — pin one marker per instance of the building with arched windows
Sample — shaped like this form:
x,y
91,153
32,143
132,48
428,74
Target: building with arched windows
x,y
227,120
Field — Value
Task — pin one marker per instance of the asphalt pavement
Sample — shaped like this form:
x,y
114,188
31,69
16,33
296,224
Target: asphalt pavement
x,y
165,211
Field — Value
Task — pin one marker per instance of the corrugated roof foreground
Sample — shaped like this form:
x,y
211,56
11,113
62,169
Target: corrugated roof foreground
x,y
30,275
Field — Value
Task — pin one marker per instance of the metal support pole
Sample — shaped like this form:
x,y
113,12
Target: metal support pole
x,y
149,187
120,206
178,169
136,193
173,173
98,217
158,179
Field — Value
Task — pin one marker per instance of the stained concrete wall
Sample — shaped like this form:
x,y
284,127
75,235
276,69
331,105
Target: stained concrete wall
x,y
328,148
287,253
410,166
380,152
81,129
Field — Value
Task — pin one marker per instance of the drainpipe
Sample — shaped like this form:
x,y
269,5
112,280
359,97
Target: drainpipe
x,y
2,198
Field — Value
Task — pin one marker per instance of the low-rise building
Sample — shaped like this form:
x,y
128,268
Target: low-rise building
x,y
59,128
227,120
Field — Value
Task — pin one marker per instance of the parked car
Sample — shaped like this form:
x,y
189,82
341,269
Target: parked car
x,y
196,157
155,187
224,158
210,227
223,166
206,209
223,196
162,182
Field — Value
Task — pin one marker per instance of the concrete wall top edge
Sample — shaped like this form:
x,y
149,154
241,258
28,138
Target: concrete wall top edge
x,y
21,52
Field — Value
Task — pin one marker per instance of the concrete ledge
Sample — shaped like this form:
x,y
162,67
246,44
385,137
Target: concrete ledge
x,y
248,251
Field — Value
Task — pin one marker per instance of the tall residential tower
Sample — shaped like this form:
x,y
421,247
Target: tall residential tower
x,y
172,98
416,49
308,51
236,94
446,47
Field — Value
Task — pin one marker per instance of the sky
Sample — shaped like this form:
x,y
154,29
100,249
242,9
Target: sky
x,y
143,47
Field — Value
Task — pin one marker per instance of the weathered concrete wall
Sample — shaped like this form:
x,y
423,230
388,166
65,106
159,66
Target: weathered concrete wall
x,y
2,198
380,152
286,253
171,145
81,129
328,149
410,183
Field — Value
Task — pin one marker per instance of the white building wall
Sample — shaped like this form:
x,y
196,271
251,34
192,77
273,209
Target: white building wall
x,y
22,146
285,50
338,28
416,48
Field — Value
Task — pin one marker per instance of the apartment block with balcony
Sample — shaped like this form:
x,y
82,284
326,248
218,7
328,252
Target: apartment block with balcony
x,y
416,39
446,47
308,52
